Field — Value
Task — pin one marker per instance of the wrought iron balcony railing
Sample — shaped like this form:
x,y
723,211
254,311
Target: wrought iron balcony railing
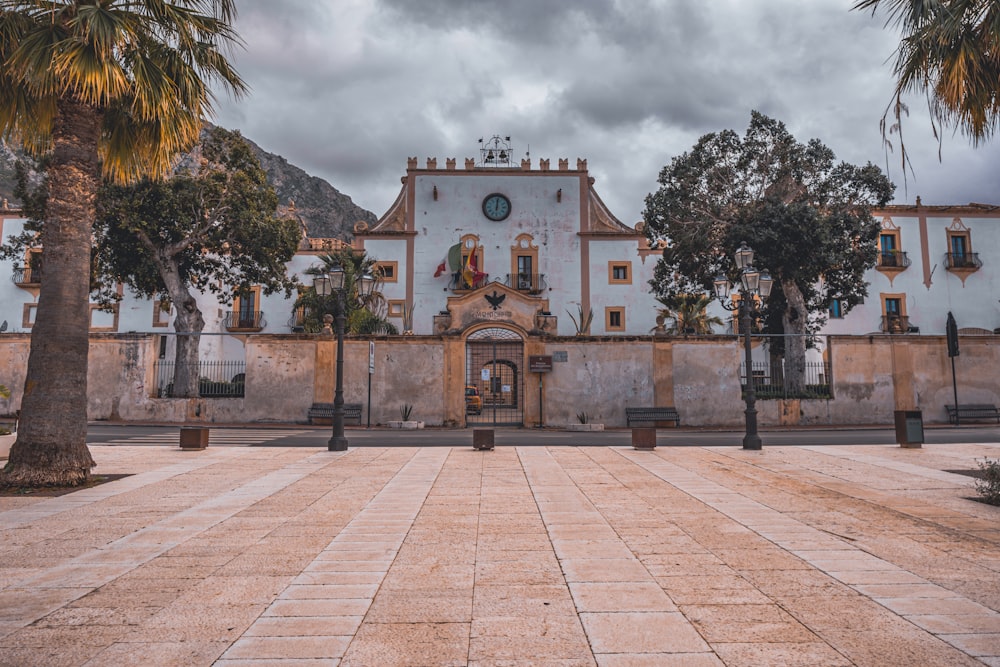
x,y
963,260
896,324
244,321
532,283
27,276
893,259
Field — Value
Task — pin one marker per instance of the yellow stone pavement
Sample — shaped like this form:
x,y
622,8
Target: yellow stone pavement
x,y
231,556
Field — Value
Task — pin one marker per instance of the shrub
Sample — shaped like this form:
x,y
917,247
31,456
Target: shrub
x,y
989,486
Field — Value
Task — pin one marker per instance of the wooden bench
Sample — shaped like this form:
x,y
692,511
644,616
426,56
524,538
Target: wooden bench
x,y
972,411
324,411
662,414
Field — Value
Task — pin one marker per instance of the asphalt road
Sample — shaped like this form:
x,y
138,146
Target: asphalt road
x,y
292,435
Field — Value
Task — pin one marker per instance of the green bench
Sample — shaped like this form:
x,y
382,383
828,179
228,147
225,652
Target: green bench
x,y
972,411
324,411
652,415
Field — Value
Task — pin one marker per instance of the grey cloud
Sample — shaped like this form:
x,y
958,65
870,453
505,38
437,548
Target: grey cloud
x,y
349,90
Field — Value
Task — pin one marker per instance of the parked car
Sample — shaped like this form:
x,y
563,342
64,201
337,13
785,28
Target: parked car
x,y
473,401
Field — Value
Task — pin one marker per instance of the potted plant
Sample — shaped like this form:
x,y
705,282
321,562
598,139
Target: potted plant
x,y
405,411
584,424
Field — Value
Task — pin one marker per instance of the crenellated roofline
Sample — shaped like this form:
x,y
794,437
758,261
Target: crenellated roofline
x,y
600,220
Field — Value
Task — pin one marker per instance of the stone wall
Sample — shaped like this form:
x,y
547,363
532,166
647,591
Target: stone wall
x,y
872,377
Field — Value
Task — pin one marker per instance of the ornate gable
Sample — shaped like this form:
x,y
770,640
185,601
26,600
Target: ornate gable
x,y
392,222
602,221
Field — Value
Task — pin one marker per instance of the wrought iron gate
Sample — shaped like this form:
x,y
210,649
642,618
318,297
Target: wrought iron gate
x,y
494,363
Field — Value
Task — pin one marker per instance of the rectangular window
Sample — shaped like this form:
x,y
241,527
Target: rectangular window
x,y
28,315
620,273
524,272
958,245
161,313
33,266
246,309
836,311
389,271
103,320
614,319
395,307
888,243
894,319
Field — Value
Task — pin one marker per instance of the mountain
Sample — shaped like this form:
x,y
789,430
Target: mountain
x,y
325,211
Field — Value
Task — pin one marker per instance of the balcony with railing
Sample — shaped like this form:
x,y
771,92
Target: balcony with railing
x,y
892,260
897,324
532,283
244,320
27,276
963,261
460,284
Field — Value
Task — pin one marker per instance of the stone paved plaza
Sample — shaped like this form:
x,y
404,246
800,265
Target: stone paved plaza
x,y
855,555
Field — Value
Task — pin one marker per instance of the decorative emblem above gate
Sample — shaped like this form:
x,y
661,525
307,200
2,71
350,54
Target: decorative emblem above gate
x,y
495,299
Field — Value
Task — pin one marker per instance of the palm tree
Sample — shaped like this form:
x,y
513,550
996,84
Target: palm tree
x,y
111,89
688,314
365,315
950,49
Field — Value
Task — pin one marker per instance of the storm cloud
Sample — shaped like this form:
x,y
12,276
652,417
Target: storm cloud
x,y
349,89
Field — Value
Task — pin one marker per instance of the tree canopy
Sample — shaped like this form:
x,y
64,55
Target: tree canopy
x,y
807,216
211,226
950,51
115,89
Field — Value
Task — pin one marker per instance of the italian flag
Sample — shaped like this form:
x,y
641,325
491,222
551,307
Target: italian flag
x,y
452,261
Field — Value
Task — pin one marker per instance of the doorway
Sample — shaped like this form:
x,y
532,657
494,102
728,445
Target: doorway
x,y
494,359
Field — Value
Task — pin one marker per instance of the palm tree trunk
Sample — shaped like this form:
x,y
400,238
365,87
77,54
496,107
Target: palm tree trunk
x,y
51,447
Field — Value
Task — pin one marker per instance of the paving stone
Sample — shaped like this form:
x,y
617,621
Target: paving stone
x,y
561,556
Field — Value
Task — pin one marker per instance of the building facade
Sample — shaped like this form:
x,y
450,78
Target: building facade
x,y
540,231
932,260
492,263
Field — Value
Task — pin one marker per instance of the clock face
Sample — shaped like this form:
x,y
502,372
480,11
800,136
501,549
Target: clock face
x,y
496,206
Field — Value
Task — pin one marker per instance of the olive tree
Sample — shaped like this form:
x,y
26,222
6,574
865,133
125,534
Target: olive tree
x,y
807,216
210,227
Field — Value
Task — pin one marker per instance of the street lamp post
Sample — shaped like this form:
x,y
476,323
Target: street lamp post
x,y
754,283
332,282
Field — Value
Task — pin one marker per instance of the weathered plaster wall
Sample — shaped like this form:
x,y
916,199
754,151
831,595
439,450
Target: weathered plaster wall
x,y
873,375
706,383
600,379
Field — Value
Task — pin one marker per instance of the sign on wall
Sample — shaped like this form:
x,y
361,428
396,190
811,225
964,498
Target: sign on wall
x,y
539,363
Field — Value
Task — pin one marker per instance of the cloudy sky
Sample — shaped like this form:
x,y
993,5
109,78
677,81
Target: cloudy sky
x,y
348,89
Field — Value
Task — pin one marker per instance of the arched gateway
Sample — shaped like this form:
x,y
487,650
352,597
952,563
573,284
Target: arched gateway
x,y
494,366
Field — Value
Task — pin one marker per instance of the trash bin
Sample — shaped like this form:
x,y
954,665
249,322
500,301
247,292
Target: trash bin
x,y
909,428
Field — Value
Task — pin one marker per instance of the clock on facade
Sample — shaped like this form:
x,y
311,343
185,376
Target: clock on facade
x,y
496,206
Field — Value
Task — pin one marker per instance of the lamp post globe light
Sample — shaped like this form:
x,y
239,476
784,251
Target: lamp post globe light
x,y
332,282
755,284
